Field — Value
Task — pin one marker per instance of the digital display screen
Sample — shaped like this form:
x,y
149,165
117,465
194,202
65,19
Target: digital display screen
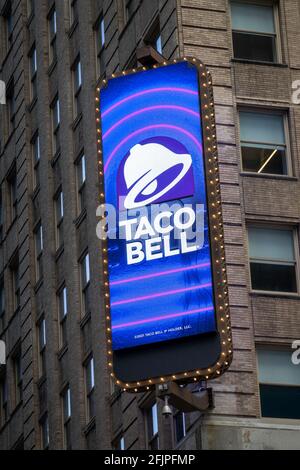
x,y
159,259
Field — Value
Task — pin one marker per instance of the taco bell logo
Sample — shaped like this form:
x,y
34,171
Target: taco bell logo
x,y
155,170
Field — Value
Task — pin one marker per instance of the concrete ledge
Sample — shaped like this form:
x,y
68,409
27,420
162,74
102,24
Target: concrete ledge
x,y
221,433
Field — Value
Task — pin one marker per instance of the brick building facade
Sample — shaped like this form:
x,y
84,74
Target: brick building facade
x,y
55,389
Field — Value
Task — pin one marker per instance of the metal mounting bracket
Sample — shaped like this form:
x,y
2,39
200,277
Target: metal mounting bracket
x,y
149,56
182,399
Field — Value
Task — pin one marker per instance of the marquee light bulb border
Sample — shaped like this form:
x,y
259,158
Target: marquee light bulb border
x,y
216,234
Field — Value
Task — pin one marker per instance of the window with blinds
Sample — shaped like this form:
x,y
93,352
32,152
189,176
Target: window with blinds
x,y
264,142
254,32
273,262
279,381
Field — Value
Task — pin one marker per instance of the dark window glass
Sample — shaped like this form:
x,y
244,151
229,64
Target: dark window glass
x,y
36,156
279,381
272,277
2,298
39,251
56,124
63,314
33,73
254,31
254,47
3,402
59,218
42,346
263,142
45,432
1,216
85,283
180,429
13,200
8,18
10,108
272,259
280,401
67,418
90,387
264,160
81,180
77,82
18,377
15,282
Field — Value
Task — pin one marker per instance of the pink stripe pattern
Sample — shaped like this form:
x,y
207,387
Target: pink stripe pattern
x,y
145,110
148,128
159,274
160,294
163,317
146,92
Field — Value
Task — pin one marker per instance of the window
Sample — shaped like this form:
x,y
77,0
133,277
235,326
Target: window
x,y
81,179
279,382
52,36
152,427
10,108
3,401
254,32
59,218
8,18
30,8
63,313
85,283
15,282
36,157
1,216
44,425
158,44
73,11
38,235
77,83
42,346
90,388
272,259
263,142
129,9
17,366
2,303
33,73
100,47
119,443
179,426
12,194
55,124
66,399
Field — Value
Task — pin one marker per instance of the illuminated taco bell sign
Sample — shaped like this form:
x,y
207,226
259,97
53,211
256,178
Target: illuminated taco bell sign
x,y
159,265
